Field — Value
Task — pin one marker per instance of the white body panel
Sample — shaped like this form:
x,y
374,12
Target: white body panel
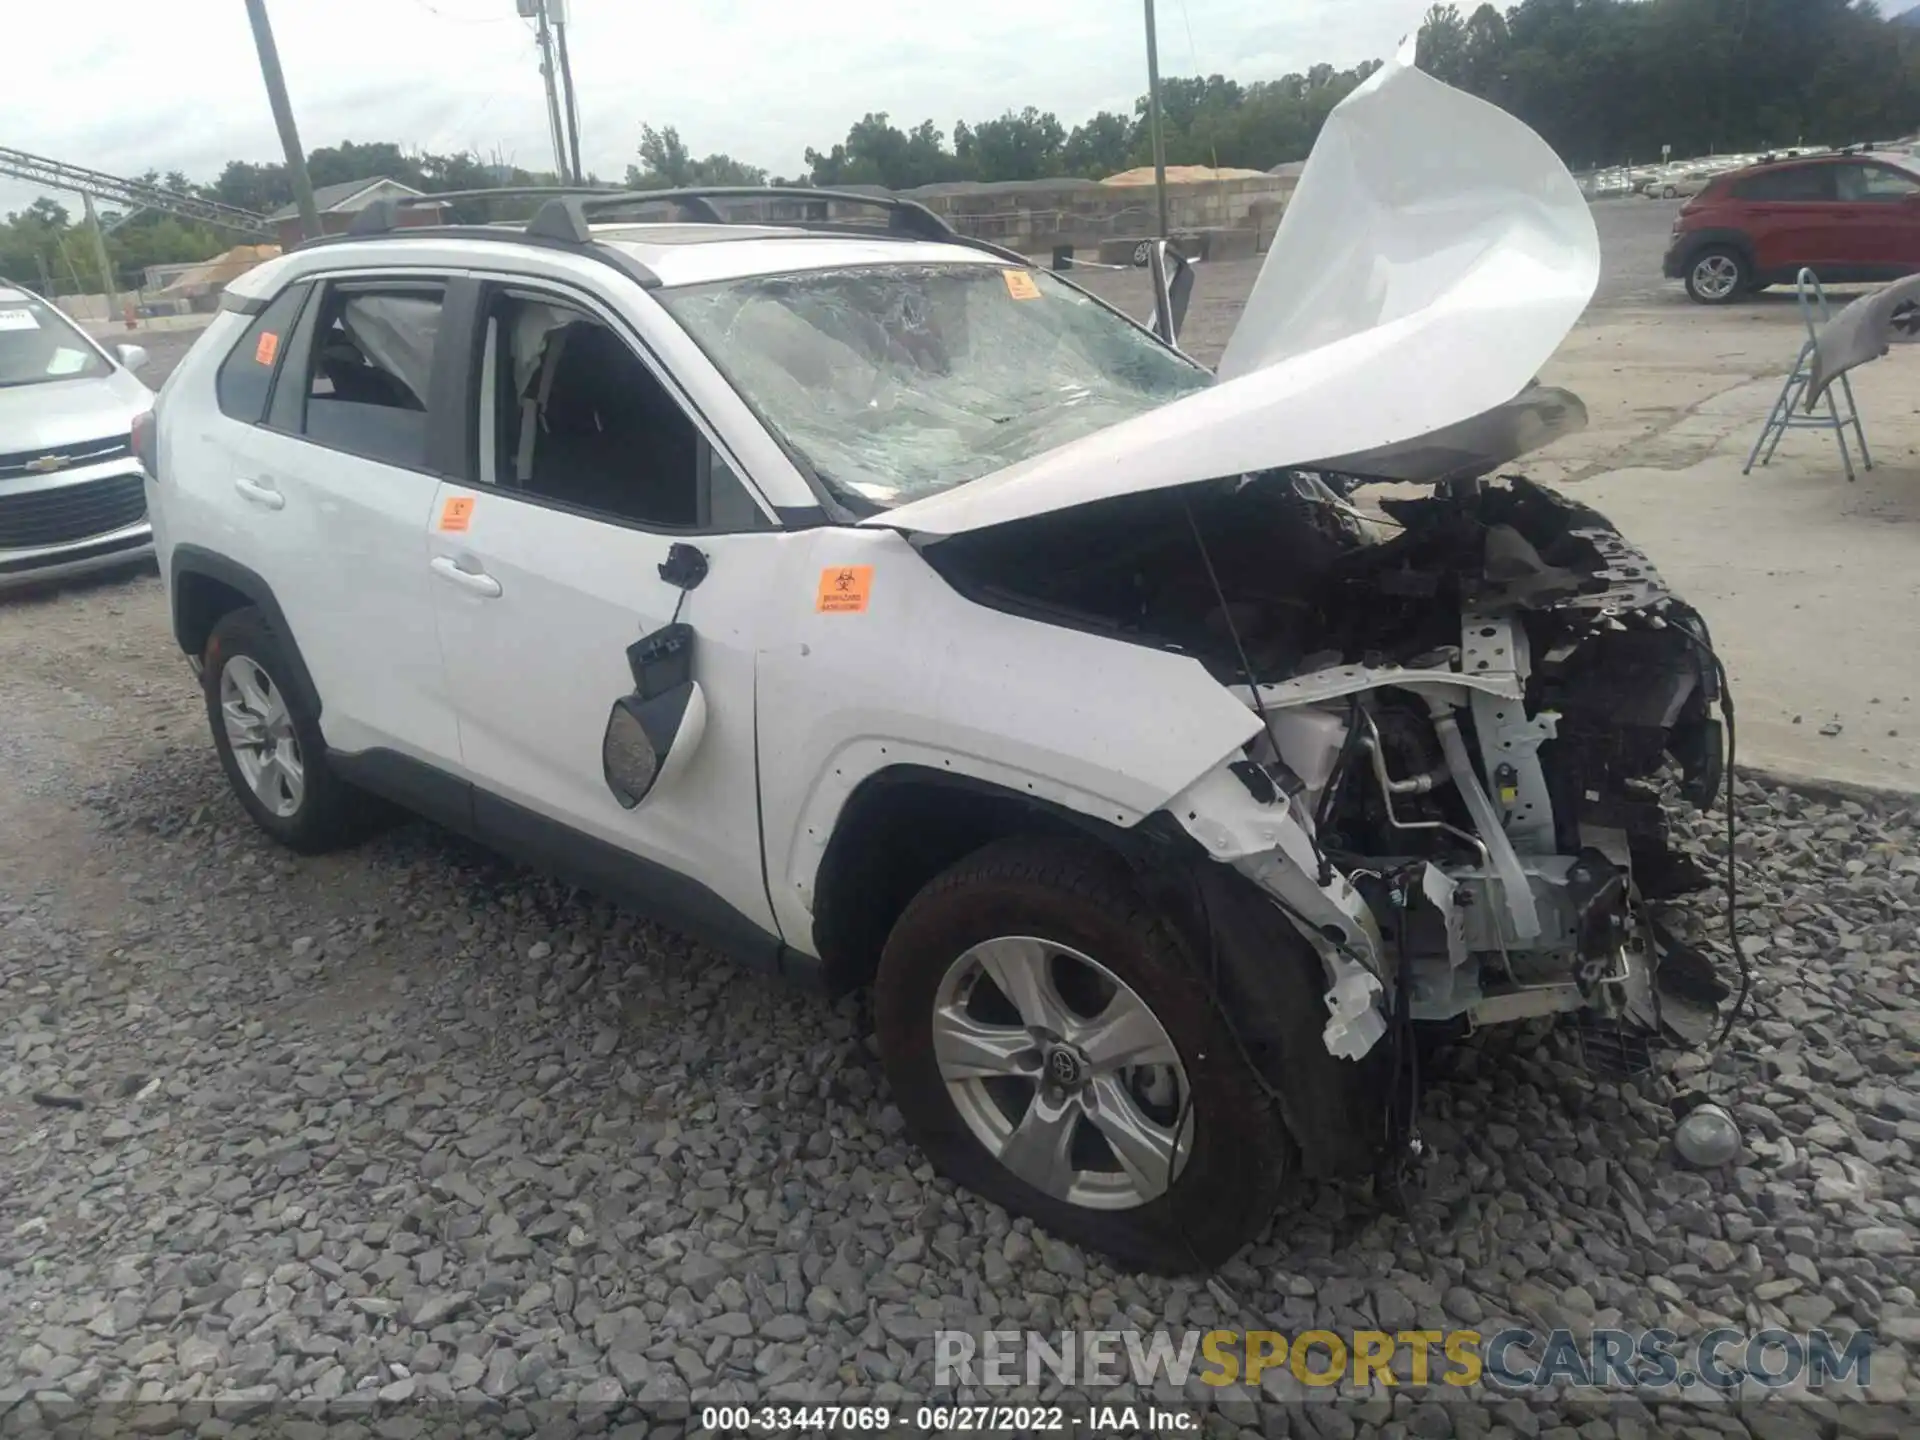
x,y
346,555
533,670
925,677
1437,254
730,257
344,550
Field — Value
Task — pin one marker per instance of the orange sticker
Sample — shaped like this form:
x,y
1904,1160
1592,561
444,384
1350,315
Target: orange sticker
x,y
1020,285
844,589
456,513
268,347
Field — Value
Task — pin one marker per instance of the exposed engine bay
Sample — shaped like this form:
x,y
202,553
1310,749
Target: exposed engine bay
x,y
1480,702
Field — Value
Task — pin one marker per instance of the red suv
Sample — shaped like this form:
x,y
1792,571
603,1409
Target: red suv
x,y
1845,217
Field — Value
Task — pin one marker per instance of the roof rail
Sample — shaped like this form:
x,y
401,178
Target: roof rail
x,y
569,216
565,220
383,215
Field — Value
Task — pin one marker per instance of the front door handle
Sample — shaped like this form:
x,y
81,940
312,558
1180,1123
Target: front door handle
x,y
260,494
476,582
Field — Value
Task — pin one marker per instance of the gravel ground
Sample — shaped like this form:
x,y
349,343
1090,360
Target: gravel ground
x,y
410,1123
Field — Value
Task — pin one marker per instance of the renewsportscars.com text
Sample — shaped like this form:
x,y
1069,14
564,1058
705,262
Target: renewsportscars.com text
x,y
1511,1359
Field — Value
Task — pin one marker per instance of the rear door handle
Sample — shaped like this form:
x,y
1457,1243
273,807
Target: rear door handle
x,y
476,582
260,494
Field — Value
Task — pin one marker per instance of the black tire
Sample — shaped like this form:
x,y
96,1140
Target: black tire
x,y
329,813
1718,275
1143,254
1074,895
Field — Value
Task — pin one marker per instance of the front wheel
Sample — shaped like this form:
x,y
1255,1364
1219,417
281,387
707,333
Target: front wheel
x,y
1052,1050
1718,276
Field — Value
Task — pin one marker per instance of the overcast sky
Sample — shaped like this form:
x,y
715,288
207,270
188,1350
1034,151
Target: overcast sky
x,y
123,87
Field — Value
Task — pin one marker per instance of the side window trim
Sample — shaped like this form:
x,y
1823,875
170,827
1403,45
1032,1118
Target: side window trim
x,y
547,290
451,438
1877,170
286,401
304,289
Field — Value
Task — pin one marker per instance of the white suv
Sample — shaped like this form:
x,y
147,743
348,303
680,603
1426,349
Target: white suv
x,y
878,609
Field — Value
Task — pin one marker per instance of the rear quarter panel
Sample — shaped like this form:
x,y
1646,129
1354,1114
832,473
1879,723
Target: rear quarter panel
x,y
184,503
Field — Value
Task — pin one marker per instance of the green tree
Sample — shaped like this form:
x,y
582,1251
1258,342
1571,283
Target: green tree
x,y
1100,147
1444,44
1023,146
1603,81
347,161
877,152
666,164
260,188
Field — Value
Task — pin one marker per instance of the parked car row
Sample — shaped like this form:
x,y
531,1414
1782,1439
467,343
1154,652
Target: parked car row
x,y
1849,217
1681,178
71,495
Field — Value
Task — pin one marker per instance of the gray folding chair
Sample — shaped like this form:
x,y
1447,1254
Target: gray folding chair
x,y
1786,413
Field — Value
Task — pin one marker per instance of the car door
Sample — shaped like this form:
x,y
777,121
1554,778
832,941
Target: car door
x,y
588,472
334,489
1795,219
1887,202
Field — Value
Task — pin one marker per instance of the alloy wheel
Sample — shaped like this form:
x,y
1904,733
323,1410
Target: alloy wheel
x,y
1716,276
1062,1072
261,735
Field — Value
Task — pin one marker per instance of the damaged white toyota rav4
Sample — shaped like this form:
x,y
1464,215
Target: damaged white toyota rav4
x,y
878,609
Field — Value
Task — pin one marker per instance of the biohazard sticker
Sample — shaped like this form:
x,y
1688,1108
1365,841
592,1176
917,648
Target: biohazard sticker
x,y
1020,285
268,347
457,513
844,589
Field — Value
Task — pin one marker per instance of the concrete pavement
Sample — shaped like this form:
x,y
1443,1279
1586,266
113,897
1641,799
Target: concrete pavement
x,y
1809,583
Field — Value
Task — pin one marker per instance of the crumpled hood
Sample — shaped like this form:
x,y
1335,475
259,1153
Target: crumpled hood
x,y
1433,258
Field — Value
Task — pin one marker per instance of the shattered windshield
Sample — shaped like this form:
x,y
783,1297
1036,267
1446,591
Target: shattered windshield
x,y
899,382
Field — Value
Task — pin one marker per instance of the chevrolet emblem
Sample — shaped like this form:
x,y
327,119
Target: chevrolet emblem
x,y
47,464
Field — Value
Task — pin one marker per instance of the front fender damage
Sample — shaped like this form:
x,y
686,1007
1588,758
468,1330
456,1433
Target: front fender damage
x,y
1271,845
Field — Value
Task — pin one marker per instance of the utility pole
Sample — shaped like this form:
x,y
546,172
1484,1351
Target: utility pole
x,y
100,255
283,118
559,13
1153,120
553,97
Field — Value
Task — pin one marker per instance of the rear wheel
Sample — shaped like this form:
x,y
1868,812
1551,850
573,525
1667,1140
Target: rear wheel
x,y
1052,1050
269,741
1718,275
